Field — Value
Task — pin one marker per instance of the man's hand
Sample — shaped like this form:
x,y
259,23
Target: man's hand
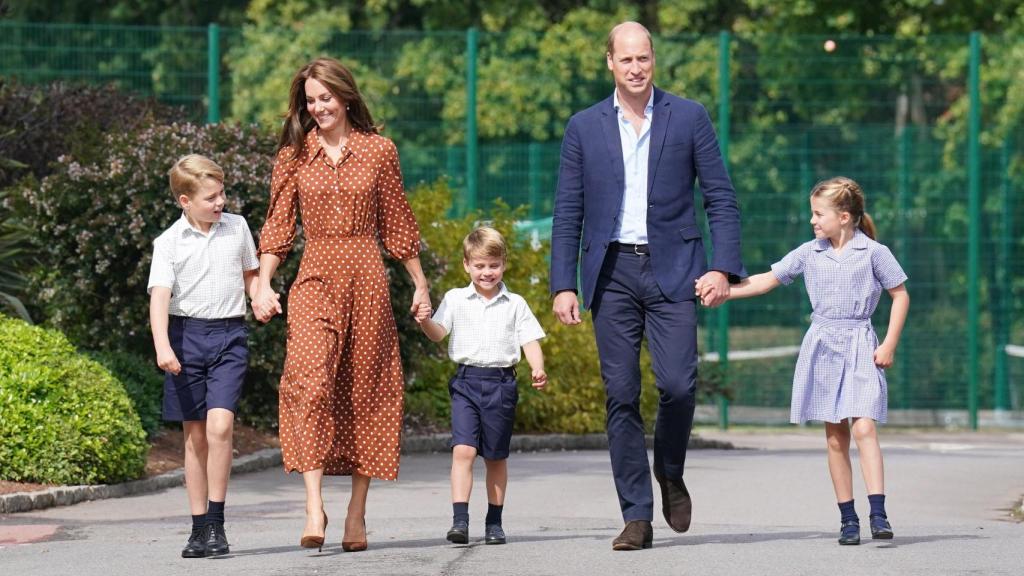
x,y
566,308
713,288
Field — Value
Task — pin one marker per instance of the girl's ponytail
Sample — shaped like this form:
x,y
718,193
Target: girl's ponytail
x,y
867,225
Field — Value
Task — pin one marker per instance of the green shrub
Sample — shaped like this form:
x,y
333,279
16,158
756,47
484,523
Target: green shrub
x,y
143,382
41,123
64,419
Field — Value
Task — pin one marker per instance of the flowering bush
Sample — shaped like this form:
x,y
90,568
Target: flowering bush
x,y
40,123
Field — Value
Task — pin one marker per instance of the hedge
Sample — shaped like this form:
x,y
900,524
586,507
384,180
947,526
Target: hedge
x,y
64,419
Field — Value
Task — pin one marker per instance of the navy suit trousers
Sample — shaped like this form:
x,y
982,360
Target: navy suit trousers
x,y
628,305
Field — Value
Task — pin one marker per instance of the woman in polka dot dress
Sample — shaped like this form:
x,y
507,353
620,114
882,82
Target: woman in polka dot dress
x,y
341,391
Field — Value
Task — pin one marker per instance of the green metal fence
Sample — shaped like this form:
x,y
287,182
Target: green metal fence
x,y
926,125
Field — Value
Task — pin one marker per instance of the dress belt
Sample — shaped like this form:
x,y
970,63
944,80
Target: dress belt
x,y
849,323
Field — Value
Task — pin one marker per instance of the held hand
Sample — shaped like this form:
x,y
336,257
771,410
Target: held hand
x,y
713,288
884,356
420,308
566,308
540,379
266,304
167,361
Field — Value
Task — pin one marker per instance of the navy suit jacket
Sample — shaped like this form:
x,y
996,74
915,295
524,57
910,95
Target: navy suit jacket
x,y
591,182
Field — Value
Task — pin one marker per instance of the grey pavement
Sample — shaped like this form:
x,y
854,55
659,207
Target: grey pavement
x,y
765,510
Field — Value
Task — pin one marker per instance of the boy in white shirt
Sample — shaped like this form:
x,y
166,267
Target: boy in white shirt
x,y
202,266
487,326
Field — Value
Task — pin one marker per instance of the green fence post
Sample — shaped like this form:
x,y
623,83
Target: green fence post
x,y
472,150
213,74
533,159
1004,279
903,203
973,226
723,140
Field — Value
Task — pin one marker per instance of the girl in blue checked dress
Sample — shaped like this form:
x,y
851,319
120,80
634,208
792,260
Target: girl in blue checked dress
x,y
839,375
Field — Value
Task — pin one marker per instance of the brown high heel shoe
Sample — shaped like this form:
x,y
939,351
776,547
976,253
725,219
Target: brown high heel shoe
x,y
356,545
315,541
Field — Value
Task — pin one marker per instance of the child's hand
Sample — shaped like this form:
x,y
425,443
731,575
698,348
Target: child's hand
x,y
540,378
266,305
420,308
703,290
884,355
167,361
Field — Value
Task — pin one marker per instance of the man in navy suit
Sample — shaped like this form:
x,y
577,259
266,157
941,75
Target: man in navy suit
x,y
625,204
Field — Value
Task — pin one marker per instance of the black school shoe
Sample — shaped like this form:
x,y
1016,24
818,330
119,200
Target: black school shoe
x,y
216,540
196,546
849,533
459,533
880,528
493,534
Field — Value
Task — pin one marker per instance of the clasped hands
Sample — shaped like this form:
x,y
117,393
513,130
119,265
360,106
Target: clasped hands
x,y
266,304
712,288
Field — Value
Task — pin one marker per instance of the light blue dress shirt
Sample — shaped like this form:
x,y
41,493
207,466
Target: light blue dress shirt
x,y
635,154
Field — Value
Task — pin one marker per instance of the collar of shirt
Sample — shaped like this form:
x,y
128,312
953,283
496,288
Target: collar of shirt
x,y
469,292
355,145
186,227
858,242
648,109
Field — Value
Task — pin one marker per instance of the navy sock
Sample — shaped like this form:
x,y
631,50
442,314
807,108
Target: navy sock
x,y
847,511
493,514
460,512
198,522
877,504
215,512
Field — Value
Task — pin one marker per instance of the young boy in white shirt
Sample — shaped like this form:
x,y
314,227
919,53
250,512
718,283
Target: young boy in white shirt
x,y
202,267
487,325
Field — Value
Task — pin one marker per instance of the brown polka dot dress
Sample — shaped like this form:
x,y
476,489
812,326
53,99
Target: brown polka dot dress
x,y
341,391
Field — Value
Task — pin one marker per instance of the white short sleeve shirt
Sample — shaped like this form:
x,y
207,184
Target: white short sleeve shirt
x,y
204,271
486,333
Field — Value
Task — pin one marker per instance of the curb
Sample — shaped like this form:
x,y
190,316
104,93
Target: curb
x,y
268,457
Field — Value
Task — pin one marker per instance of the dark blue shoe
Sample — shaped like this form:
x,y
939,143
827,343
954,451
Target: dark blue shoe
x,y
880,528
493,534
459,532
849,533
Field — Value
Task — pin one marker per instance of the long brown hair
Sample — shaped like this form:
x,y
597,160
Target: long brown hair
x,y
342,85
845,195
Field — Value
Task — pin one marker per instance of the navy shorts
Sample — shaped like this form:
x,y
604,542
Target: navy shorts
x,y
214,355
484,409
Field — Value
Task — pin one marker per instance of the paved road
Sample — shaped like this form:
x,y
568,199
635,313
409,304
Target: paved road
x,y
767,510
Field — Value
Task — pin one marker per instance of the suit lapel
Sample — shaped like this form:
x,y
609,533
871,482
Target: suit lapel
x,y
610,125
659,127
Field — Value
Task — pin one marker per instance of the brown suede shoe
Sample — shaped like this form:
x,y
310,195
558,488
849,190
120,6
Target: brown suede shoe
x,y
676,504
637,535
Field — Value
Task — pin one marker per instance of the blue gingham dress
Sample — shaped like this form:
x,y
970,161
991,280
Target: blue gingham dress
x,y
836,376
